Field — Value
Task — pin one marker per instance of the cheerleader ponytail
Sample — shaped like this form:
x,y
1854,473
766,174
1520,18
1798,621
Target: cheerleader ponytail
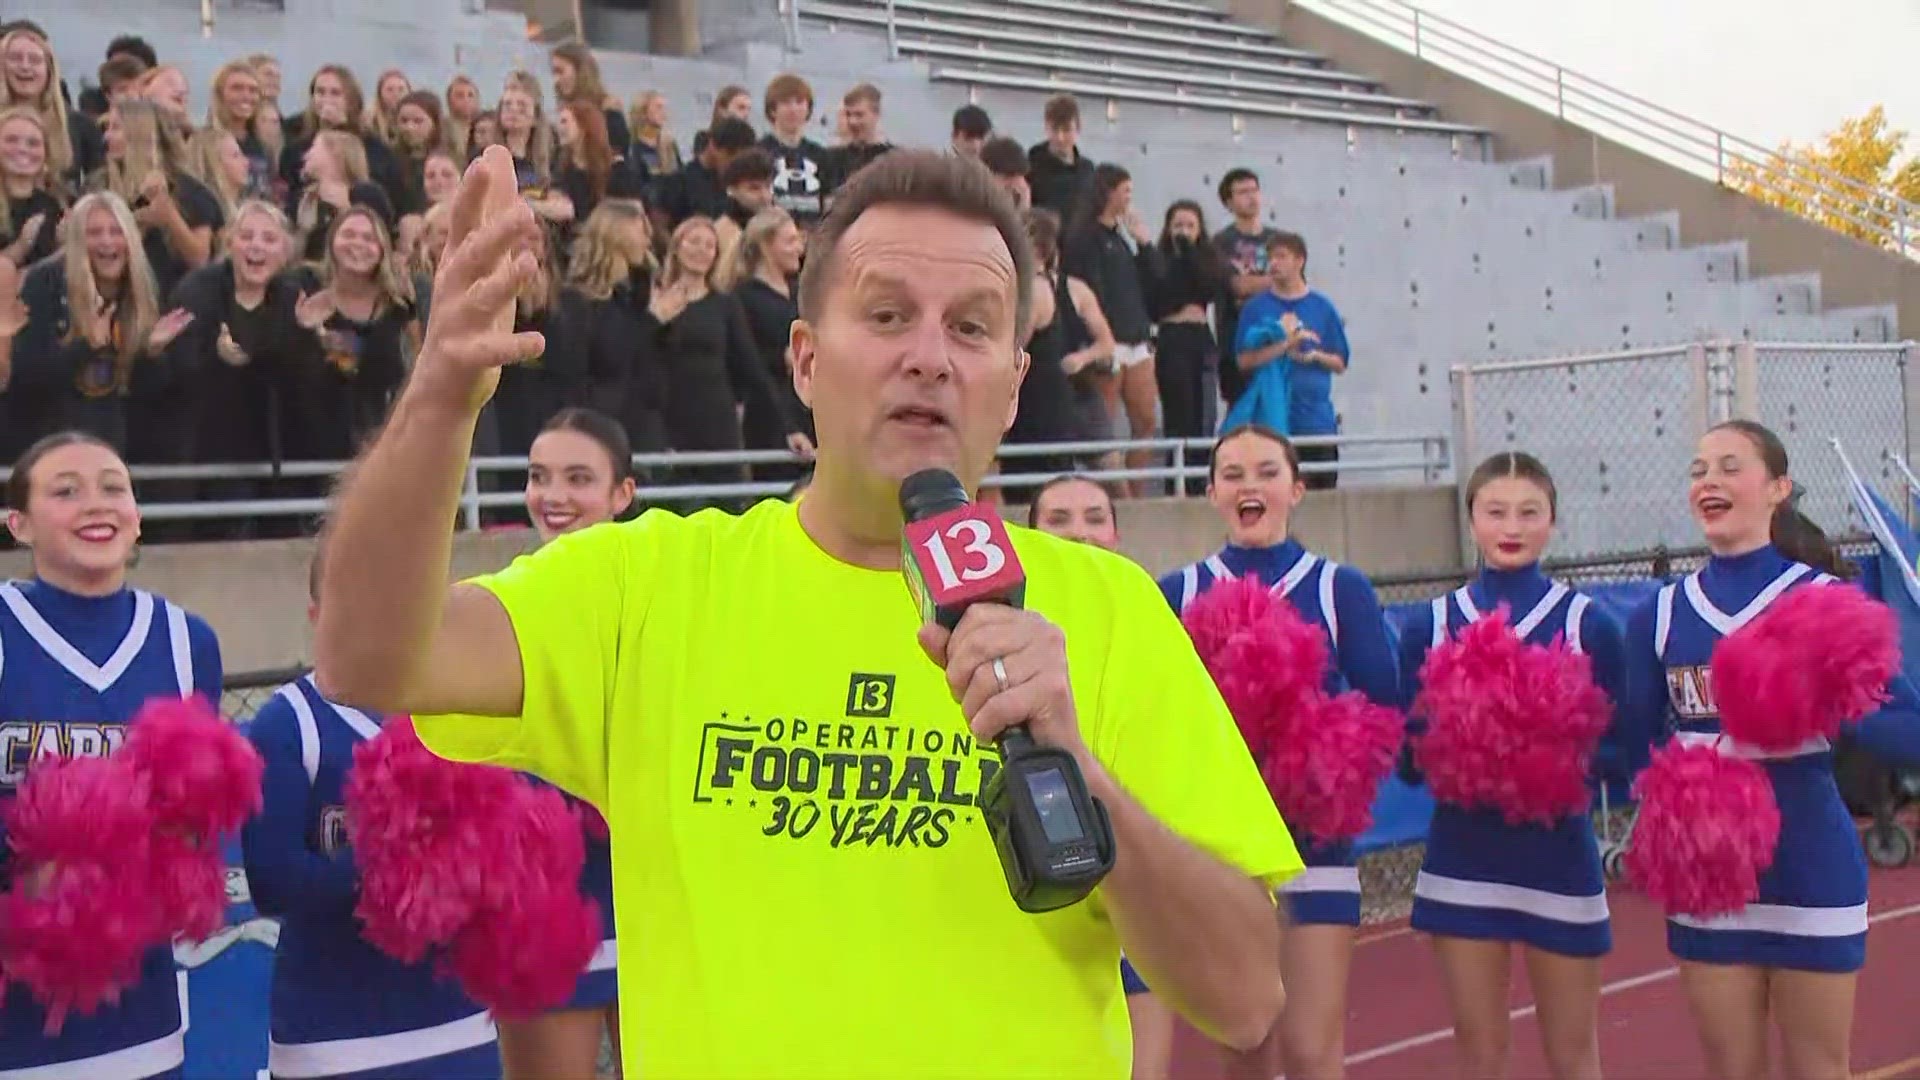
x,y
1793,533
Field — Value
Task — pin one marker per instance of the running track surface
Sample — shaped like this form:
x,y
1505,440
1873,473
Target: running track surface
x,y
1398,1027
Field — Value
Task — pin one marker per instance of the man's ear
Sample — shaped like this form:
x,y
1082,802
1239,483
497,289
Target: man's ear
x,y
1022,361
801,344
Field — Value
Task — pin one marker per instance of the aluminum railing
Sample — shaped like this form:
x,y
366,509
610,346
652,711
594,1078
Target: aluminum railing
x,y
1425,455
1628,118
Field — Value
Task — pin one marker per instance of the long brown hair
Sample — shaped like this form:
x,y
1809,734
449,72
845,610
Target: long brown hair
x,y
1792,532
593,153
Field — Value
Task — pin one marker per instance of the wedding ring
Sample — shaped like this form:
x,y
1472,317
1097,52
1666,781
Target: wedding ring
x,y
1000,674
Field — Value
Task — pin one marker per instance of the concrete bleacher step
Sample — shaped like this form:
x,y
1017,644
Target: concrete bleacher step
x,y
1866,323
1656,232
1148,17
1074,21
1110,88
1186,7
1163,77
1786,294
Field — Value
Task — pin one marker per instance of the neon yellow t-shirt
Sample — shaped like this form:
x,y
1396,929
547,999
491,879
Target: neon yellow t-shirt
x,y
803,886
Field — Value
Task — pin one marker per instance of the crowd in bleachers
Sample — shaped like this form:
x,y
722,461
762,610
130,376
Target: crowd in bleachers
x,y
250,284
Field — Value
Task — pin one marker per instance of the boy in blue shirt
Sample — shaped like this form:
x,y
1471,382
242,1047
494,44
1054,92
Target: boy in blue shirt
x,y
1293,322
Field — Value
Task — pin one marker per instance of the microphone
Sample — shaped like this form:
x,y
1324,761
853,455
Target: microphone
x,y
1053,837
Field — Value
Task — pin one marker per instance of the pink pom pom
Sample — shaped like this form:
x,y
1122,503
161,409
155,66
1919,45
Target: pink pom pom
x,y
1818,658
205,776
1325,773
477,860
1706,831
188,887
1510,726
77,940
419,827
1264,658
78,920
593,824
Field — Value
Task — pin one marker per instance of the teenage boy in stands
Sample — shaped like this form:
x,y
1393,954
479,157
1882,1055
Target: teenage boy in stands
x,y
972,127
1243,249
749,179
860,109
697,187
1059,172
1313,345
800,185
1009,166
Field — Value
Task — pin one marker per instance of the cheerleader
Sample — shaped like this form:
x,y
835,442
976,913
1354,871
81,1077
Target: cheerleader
x,y
1487,885
338,1006
80,652
1255,484
1790,958
579,473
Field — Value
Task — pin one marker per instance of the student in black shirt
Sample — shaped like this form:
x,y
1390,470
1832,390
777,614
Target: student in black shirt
x,y
972,127
1111,250
92,336
233,355
416,134
696,190
653,152
760,272
1191,276
604,305
335,103
334,176
1058,172
749,184
799,187
1243,252
30,78
532,392
30,211
860,111
576,78
235,109
177,215
588,169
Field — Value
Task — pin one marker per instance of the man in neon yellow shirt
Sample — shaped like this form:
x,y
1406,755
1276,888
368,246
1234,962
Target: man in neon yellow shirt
x,y
788,760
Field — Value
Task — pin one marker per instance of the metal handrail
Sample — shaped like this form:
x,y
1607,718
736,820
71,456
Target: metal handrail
x,y
1431,461
1631,118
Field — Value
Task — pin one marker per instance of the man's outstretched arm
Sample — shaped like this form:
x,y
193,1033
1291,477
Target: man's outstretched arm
x,y
392,636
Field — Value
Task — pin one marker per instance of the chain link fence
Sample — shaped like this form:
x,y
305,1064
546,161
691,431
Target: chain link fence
x,y
1618,429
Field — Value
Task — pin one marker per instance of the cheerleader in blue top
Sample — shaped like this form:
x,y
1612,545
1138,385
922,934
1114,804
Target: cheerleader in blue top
x,y
1792,956
80,652
339,1008
579,473
1255,484
1486,885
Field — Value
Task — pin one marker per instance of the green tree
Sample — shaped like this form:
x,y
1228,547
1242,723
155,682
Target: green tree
x,y
1864,149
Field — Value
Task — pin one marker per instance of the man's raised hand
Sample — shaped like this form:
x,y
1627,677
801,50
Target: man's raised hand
x,y
488,258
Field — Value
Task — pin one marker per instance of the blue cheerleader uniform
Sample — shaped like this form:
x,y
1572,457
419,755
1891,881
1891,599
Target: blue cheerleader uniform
x,y
1341,601
598,985
1483,877
73,672
1811,914
340,1009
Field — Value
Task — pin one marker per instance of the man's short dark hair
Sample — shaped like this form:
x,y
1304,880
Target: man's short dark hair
x,y
752,164
1061,110
133,45
972,121
731,134
119,71
918,178
1234,176
1004,157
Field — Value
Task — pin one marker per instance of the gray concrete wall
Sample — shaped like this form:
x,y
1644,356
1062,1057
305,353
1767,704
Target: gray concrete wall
x,y
255,593
1851,273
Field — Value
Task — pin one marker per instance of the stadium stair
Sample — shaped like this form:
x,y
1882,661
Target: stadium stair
x,y
1437,253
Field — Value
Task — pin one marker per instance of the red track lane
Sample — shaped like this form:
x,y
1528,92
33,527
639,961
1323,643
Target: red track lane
x,y
1398,1025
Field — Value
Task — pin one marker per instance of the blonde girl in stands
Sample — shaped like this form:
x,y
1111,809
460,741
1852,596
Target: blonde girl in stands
x,y
30,78
388,92
214,157
30,203
463,108
654,151
238,106
178,216
166,87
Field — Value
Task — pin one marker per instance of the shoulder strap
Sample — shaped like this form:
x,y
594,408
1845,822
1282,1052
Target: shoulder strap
x,y
309,729
1662,621
182,645
1439,621
1328,613
1575,612
1189,585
